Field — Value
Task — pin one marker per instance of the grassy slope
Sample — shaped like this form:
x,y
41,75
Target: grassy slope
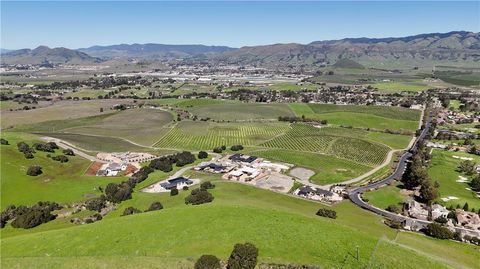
x,y
239,213
442,169
59,182
385,196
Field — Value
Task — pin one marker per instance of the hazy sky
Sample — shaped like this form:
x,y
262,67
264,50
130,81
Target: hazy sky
x,y
236,24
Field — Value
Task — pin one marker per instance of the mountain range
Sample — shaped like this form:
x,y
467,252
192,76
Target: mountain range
x,y
452,46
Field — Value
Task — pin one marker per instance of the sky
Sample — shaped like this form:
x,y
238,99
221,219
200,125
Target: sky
x,y
87,23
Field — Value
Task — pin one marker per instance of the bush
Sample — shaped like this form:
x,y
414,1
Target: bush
x,y
207,262
130,211
202,155
173,192
236,147
183,158
68,152
243,256
438,231
60,158
441,220
328,213
96,204
393,209
155,206
207,185
162,164
4,142
117,193
199,196
218,150
34,170
29,217
185,188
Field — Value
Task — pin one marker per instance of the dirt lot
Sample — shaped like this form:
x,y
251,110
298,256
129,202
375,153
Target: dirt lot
x,y
302,173
275,182
94,167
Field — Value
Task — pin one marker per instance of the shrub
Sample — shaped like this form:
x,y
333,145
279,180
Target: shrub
x,y
155,206
130,211
183,158
4,142
465,206
199,196
236,147
218,150
243,256
173,192
162,164
96,204
438,231
117,193
202,155
34,170
328,213
207,262
223,147
185,188
68,152
29,217
475,183
60,158
441,220
207,185
393,209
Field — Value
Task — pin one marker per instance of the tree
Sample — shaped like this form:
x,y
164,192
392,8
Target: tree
x,y
441,220
328,213
60,158
243,256
96,204
465,206
467,167
202,155
162,164
155,206
438,231
117,193
173,192
475,183
393,209
34,170
130,211
4,142
236,147
207,185
218,150
199,196
428,192
207,262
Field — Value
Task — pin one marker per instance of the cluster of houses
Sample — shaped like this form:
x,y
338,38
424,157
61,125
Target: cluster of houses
x,y
121,162
251,170
419,211
454,117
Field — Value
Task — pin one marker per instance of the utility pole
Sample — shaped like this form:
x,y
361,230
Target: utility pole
x,y
357,254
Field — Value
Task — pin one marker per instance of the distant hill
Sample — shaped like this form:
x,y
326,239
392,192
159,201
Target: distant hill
x,y
159,51
347,63
44,54
452,46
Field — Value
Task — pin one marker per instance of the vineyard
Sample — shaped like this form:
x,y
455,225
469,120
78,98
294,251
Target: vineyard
x,y
203,135
343,143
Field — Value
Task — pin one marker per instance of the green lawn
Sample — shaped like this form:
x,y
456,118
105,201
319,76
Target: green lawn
x,y
59,182
443,169
385,196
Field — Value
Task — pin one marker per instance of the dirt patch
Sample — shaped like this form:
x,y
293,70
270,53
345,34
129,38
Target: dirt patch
x,y
94,167
275,182
302,173
130,169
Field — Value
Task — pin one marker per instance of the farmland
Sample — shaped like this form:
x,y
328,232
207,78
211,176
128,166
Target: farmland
x,y
376,117
242,111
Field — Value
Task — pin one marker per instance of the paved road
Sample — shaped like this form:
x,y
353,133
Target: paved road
x,y
355,195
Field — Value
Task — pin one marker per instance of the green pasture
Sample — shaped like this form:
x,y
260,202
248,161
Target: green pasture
x,y
401,86
242,111
443,169
385,196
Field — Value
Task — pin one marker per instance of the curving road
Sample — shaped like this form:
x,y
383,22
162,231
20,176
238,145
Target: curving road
x,y
355,195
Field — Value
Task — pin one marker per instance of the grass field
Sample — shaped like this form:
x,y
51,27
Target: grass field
x,y
242,111
59,182
385,196
242,214
443,169
328,169
63,110
401,86
376,117
207,135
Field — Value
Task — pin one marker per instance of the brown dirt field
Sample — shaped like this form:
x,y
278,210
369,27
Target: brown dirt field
x,y
130,169
94,167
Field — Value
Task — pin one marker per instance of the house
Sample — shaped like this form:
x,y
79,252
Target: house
x,y
439,211
416,210
238,157
411,224
468,220
213,167
244,174
317,194
177,183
